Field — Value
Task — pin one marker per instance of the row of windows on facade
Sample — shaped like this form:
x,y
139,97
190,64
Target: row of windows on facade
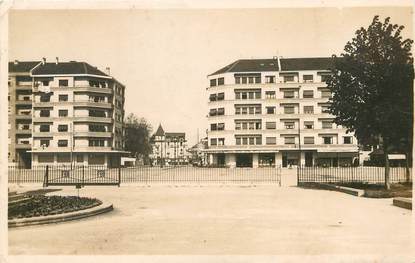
x,y
64,113
257,125
93,158
92,83
64,143
257,109
64,97
64,128
171,143
257,140
255,79
256,94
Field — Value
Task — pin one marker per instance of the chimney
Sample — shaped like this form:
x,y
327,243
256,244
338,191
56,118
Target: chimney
x,y
57,60
43,61
16,62
108,71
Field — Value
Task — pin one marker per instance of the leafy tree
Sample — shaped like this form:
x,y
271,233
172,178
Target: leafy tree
x,y
372,85
137,136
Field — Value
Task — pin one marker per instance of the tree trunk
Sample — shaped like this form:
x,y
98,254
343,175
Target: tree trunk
x,y
387,181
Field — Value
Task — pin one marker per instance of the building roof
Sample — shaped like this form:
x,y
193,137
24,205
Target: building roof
x,y
72,67
22,66
159,132
175,134
287,64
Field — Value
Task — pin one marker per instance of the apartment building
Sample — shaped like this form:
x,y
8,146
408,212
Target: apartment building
x,y
169,147
266,112
76,114
20,112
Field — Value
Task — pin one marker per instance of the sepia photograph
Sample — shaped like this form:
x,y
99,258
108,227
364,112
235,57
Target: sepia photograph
x,y
211,129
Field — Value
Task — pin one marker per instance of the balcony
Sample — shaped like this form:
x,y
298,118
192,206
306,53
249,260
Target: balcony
x,y
23,102
24,131
24,86
23,116
23,146
91,104
93,134
93,89
92,119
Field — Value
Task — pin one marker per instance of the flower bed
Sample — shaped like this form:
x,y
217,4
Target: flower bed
x,y
378,191
40,205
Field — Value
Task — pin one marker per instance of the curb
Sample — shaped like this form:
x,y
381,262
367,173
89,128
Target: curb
x,y
40,220
343,189
403,202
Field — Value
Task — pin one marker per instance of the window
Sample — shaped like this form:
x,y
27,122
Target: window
x,y
237,80
248,140
212,112
96,142
347,140
44,113
271,125
63,83
258,140
289,110
238,140
44,128
244,80
271,140
44,98
324,78
62,128
62,143
220,96
327,124
288,78
99,128
96,113
308,109
289,124
213,142
326,94
25,127
250,80
44,143
308,140
63,97
79,158
213,127
308,78
63,113
45,83
289,140
221,126
257,80
328,140
98,99
221,111
270,94
269,79
308,125
221,141
212,97
289,94
237,126
325,109
270,110
257,94
221,81
213,82
308,94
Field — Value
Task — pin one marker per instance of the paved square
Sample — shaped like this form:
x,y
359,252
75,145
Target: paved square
x,y
224,220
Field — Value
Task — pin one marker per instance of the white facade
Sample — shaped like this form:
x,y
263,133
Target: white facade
x,y
257,117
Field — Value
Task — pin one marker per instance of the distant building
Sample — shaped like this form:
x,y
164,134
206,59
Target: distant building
x,y
198,153
63,112
168,147
266,112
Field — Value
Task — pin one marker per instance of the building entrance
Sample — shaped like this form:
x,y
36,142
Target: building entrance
x,y
244,160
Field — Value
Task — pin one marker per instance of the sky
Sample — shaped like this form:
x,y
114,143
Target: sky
x,y
163,56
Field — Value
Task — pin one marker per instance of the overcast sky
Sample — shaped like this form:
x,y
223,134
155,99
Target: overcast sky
x,y
164,56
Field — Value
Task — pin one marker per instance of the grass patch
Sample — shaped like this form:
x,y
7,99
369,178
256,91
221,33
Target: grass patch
x,y
378,191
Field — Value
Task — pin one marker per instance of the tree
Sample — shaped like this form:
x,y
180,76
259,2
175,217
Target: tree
x,y
137,136
372,86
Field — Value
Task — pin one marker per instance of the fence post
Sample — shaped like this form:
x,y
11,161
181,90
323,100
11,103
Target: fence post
x,y
83,174
46,177
119,176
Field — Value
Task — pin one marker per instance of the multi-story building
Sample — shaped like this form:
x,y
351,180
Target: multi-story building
x,y
169,147
275,112
20,112
76,114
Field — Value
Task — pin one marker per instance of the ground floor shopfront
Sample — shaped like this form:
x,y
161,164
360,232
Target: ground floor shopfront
x,y
283,158
109,159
